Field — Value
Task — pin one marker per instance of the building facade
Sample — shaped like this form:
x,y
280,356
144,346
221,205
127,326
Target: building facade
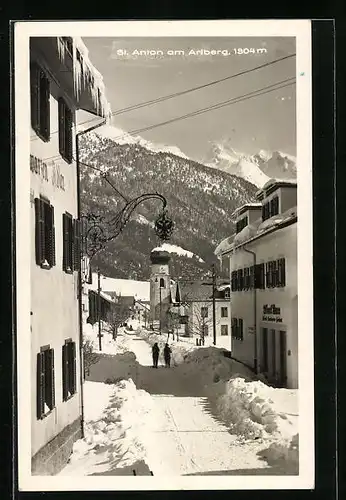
x,y
62,80
263,270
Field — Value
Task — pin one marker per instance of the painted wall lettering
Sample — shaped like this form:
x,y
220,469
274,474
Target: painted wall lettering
x,y
271,309
40,168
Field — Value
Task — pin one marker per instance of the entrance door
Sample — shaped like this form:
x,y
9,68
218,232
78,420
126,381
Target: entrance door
x,y
264,350
273,354
283,359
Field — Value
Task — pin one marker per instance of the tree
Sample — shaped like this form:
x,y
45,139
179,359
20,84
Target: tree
x,y
201,319
118,314
173,322
89,356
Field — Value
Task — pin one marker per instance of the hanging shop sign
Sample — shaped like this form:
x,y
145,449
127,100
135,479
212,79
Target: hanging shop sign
x,y
46,171
272,313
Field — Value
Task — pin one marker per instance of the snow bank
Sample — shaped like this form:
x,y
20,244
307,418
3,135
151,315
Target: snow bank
x,y
253,410
113,439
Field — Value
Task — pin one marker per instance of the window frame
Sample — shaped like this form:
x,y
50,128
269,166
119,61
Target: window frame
x,y
223,327
222,311
65,119
203,310
44,233
69,369
45,375
40,101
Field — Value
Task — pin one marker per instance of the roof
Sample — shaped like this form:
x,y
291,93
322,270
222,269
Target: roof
x,y
193,291
244,208
138,289
274,184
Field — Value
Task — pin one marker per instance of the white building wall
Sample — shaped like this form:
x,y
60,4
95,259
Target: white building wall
x,y
280,243
54,293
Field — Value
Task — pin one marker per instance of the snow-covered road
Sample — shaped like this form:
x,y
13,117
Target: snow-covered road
x,y
182,436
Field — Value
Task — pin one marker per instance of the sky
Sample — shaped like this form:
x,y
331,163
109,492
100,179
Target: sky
x,y
264,122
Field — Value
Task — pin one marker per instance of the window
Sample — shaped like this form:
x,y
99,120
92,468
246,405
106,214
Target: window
x,y
259,276
270,208
227,296
224,312
45,391
44,233
237,328
65,131
71,243
67,226
241,224
204,312
281,272
40,102
69,374
224,329
205,330
162,283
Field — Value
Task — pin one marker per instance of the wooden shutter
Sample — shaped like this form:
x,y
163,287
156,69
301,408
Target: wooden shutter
x,y
44,106
76,245
74,368
67,242
40,395
61,127
34,95
64,373
68,135
51,377
50,253
39,231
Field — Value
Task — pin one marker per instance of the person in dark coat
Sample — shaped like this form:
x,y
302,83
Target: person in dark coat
x,y
155,351
167,355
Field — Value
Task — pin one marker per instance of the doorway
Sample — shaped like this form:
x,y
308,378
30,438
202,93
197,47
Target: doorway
x,y
264,350
283,359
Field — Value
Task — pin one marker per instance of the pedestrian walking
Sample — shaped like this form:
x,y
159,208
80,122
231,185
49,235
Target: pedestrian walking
x,y
167,355
155,351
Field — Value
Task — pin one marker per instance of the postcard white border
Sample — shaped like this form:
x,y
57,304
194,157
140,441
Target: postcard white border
x,y
301,29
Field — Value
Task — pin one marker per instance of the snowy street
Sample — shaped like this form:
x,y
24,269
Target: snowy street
x,y
162,422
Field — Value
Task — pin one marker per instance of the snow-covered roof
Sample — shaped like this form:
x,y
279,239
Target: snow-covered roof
x,y
85,75
273,182
138,289
256,229
247,206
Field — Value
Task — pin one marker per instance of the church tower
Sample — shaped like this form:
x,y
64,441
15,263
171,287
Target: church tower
x,y
160,287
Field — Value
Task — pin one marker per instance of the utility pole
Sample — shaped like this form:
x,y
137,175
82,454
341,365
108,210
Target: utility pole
x,y
99,307
214,316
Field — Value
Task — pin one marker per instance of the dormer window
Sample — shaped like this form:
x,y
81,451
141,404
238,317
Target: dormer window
x,y
241,224
270,208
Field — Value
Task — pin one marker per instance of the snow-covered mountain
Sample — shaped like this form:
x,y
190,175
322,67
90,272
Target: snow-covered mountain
x,y
257,168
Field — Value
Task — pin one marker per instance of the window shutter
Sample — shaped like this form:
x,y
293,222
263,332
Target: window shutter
x,y
44,106
40,396
51,378
39,231
51,237
68,135
76,244
64,373
61,127
65,229
74,368
34,73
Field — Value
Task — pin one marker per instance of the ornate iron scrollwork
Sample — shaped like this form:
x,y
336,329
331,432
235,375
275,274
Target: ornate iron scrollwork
x,y
97,231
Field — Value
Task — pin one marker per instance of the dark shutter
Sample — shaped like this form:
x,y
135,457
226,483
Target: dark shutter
x,y
64,372
61,127
34,93
50,252
50,354
67,243
74,368
39,231
44,106
68,135
40,396
76,244
240,323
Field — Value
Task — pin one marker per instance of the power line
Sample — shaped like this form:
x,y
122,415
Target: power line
x,y
187,91
234,100
255,93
